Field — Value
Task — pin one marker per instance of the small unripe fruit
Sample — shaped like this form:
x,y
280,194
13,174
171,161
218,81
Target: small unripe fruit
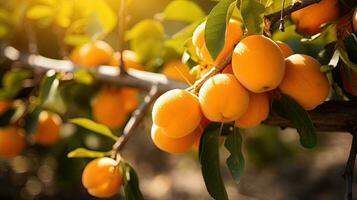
x,y
48,129
102,177
174,145
258,111
12,141
223,98
177,112
304,81
258,63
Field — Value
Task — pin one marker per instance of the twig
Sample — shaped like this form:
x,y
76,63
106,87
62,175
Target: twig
x,y
348,175
135,119
32,42
271,19
121,33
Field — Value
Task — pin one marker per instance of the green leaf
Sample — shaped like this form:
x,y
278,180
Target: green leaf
x,y
85,153
252,14
235,161
131,182
31,120
6,117
209,158
344,57
49,85
215,29
93,126
172,11
291,110
12,82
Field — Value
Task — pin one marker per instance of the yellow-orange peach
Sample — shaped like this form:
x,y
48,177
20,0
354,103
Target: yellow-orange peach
x,y
177,112
285,49
223,98
178,71
258,63
94,53
174,145
12,141
102,177
304,81
258,110
48,128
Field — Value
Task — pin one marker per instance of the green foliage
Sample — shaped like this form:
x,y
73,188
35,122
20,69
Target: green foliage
x,y
173,11
93,126
209,158
12,82
291,110
131,182
6,117
235,161
252,14
215,29
84,77
49,86
85,153
31,120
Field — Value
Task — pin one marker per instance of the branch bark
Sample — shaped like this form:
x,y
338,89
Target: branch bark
x,y
350,165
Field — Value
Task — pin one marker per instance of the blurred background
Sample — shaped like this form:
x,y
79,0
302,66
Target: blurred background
x,y
277,167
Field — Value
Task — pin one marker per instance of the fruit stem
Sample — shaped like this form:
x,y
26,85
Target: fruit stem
x,y
121,33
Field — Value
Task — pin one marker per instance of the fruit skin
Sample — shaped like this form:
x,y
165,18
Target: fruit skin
x,y
234,33
102,177
177,112
349,85
109,109
223,98
178,71
174,145
94,53
228,69
285,49
12,141
304,81
258,111
4,106
74,56
130,98
48,129
258,63
131,60
309,19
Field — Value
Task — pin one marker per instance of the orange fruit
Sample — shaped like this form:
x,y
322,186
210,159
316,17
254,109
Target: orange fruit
x,y
177,112
4,106
174,145
304,81
48,129
258,63
130,98
309,19
285,49
258,111
12,141
223,98
94,53
102,177
109,108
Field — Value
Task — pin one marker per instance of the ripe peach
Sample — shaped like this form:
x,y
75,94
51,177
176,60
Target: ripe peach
x,y
48,129
94,53
12,141
285,49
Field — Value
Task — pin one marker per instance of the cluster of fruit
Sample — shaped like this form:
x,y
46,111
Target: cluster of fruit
x,y
13,139
259,69
111,105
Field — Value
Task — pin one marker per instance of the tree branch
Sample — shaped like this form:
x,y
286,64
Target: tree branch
x,y
350,165
135,119
271,19
121,32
